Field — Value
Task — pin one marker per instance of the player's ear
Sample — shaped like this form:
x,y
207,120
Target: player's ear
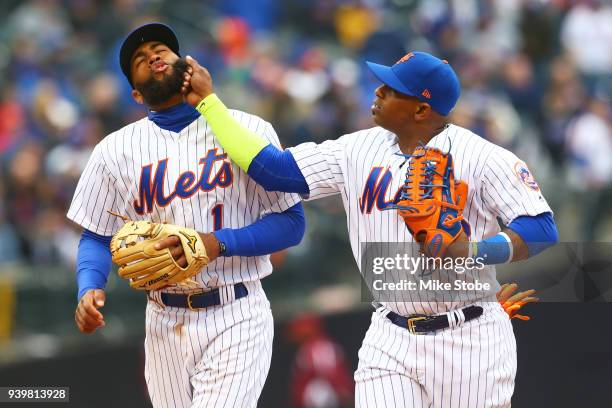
x,y
422,111
137,96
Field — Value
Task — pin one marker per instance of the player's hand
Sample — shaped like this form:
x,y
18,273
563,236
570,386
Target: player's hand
x,y
197,82
87,316
176,249
513,302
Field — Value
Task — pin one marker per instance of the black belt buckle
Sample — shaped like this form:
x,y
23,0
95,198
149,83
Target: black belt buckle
x,y
411,323
424,324
189,304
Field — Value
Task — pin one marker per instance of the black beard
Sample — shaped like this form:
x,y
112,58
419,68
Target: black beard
x,y
156,92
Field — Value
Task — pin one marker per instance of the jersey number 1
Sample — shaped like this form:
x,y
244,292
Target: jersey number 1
x,y
217,213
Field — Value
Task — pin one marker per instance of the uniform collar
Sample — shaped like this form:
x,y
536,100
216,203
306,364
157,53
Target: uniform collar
x,y
174,118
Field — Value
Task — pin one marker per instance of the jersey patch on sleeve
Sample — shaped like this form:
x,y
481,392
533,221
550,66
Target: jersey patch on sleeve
x,y
523,173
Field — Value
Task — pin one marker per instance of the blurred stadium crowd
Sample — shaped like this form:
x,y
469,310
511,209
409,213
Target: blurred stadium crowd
x,y
536,78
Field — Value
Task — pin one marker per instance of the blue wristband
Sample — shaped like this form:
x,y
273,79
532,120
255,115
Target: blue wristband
x,y
495,250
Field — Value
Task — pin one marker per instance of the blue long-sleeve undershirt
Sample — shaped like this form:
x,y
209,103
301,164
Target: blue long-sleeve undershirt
x,y
276,170
538,232
271,233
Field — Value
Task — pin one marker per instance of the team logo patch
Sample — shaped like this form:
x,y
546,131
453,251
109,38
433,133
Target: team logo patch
x,y
405,58
525,175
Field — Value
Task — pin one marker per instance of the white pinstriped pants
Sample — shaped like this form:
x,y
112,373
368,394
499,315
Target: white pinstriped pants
x,y
471,366
214,357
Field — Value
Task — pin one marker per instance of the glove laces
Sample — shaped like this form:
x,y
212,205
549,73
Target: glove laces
x,y
426,187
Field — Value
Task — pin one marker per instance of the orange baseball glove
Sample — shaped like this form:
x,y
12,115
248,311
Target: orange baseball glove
x,y
512,303
432,201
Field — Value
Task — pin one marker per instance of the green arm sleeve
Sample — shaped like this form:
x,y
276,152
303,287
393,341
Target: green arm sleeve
x,y
241,144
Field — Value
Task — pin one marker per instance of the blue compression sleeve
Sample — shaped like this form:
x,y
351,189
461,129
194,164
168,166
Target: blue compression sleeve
x,y
276,170
271,233
93,262
539,232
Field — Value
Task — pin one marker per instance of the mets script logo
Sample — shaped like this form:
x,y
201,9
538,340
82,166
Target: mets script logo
x,y
525,175
151,187
375,191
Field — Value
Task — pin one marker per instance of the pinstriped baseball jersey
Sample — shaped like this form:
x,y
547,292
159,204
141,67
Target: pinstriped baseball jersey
x,y
365,168
184,178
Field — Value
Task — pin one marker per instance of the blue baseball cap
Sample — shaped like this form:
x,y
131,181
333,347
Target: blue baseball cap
x,y
145,33
423,76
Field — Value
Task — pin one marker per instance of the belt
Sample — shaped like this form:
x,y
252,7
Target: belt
x,y
421,324
200,300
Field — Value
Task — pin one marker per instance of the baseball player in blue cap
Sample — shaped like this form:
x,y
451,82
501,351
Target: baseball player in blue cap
x,y
456,352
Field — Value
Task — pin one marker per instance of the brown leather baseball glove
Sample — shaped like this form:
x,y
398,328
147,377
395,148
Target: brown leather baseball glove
x,y
146,268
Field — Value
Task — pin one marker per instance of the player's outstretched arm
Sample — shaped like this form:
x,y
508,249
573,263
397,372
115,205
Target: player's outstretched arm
x,y
241,144
273,169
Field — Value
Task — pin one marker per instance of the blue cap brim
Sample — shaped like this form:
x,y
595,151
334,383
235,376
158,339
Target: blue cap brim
x,y
386,75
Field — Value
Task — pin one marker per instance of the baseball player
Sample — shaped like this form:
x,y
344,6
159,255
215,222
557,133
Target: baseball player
x,y
455,353
208,346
